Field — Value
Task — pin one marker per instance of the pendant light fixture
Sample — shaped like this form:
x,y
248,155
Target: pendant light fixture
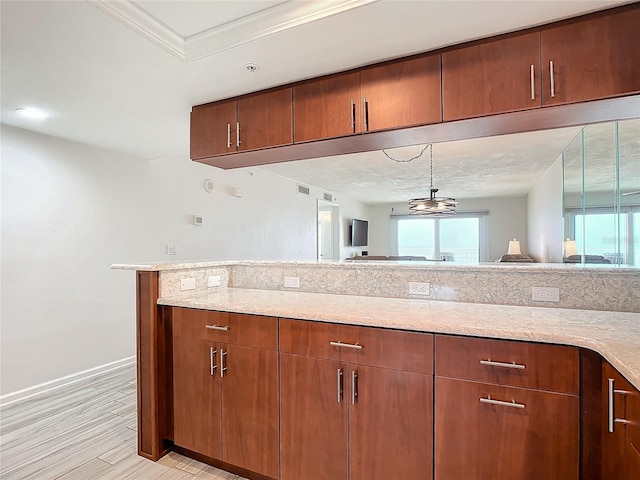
x,y
432,206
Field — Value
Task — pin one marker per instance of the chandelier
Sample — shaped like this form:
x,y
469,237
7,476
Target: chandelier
x,y
433,206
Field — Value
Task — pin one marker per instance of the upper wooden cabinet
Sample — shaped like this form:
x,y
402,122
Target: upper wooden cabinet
x,y
590,59
327,108
249,123
401,94
493,77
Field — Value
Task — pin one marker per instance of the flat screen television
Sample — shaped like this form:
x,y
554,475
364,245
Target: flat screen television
x,y
359,233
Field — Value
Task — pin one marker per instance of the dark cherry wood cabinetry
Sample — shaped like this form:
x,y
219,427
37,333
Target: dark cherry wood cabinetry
x,y
591,58
492,77
621,427
506,410
339,385
401,94
327,108
225,384
249,123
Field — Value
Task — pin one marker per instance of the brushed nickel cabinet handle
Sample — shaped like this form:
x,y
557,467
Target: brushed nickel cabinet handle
x,y
502,403
212,360
228,135
553,83
238,142
354,386
356,346
611,407
339,377
365,106
217,327
533,83
353,116
514,365
223,362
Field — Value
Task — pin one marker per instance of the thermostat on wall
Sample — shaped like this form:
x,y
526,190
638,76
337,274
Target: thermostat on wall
x,y
198,220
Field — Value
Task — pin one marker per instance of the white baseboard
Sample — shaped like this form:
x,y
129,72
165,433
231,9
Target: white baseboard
x,y
31,392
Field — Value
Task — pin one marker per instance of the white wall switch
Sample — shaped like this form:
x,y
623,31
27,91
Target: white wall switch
x,y
292,282
214,281
545,294
188,284
418,288
172,249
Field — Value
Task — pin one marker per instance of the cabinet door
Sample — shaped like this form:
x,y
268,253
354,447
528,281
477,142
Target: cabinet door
x,y
390,424
595,58
250,409
402,94
327,108
213,129
196,396
633,433
264,120
313,419
492,77
477,439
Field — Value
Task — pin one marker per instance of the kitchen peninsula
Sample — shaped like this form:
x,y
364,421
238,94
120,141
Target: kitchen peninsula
x,y
565,376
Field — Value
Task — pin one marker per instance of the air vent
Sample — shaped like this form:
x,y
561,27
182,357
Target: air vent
x,y
328,197
303,190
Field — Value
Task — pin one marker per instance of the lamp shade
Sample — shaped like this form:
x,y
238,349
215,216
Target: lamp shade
x,y
514,247
570,248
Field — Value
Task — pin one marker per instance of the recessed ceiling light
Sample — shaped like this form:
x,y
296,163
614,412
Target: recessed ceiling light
x,y
252,67
32,113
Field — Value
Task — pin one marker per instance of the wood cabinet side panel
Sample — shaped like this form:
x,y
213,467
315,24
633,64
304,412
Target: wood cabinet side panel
x,y
266,120
402,94
546,367
478,441
323,108
250,409
391,424
593,58
491,77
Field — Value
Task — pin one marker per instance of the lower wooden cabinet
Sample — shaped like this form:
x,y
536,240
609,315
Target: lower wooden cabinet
x,y
621,427
226,395
486,432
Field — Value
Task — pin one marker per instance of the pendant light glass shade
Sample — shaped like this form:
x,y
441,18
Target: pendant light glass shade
x,y
433,206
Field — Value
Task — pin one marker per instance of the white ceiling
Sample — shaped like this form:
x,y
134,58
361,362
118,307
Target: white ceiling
x,y
124,75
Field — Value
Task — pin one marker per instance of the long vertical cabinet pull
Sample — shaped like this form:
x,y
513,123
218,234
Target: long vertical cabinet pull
x,y
228,135
353,116
238,142
212,360
365,111
339,377
533,83
354,386
223,362
553,82
611,410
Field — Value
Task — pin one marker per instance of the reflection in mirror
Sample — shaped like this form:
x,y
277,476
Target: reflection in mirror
x,y
601,183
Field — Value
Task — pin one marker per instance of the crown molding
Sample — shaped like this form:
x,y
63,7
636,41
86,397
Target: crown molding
x,y
249,28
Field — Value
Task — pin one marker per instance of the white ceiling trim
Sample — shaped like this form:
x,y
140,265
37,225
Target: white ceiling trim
x,y
243,30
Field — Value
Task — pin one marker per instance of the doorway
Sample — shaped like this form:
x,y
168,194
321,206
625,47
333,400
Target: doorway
x,y
328,222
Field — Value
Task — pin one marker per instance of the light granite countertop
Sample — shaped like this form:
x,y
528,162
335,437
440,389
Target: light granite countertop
x,y
614,335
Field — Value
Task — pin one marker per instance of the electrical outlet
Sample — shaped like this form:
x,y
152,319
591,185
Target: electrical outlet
x,y
418,288
172,249
545,294
292,282
214,281
188,284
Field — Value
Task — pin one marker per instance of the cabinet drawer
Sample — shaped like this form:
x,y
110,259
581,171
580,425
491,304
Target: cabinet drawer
x,y
234,328
485,431
503,362
408,351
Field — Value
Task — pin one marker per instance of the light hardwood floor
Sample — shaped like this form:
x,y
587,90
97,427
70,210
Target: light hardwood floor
x,y
86,431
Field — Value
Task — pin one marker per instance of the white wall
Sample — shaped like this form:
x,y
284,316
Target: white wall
x,y
544,210
507,219
69,211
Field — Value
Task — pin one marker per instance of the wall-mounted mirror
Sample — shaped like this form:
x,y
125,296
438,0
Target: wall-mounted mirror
x,y
513,184
601,178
